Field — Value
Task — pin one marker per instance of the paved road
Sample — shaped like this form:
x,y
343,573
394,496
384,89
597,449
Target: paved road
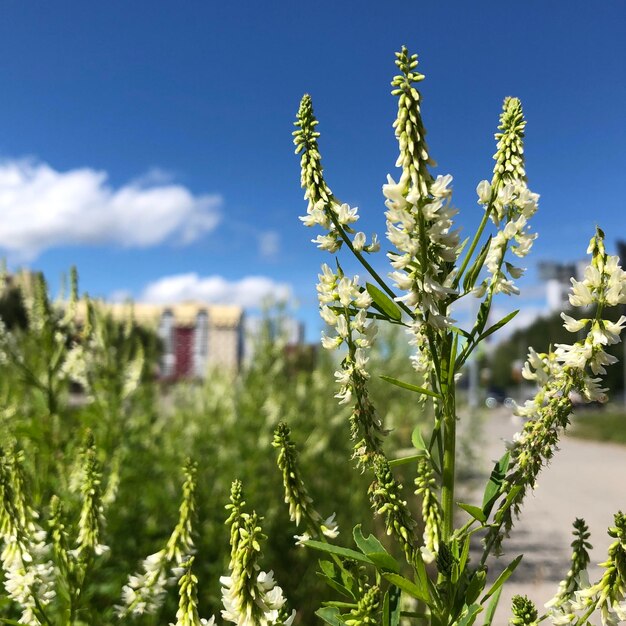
x,y
585,479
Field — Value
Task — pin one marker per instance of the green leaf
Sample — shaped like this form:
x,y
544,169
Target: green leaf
x,y
366,544
482,317
337,578
502,578
491,609
472,274
475,586
492,329
383,302
417,440
494,484
374,550
331,615
406,459
384,561
410,387
391,607
507,502
346,553
464,553
475,511
411,588
470,617
339,587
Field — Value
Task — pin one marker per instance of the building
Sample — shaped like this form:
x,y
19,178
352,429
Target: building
x,y
196,336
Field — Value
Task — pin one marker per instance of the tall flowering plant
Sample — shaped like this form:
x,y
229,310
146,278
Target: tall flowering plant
x,y
431,270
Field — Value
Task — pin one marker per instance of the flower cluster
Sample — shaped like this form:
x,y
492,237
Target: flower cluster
x,y
323,208
144,592
524,612
28,570
608,595
419,214
187,614
91,520
576,578
386,499
343,305
431,508
296,494
567,369
508,202
250,596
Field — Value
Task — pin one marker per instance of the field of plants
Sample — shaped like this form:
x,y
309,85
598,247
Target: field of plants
x,y
88,431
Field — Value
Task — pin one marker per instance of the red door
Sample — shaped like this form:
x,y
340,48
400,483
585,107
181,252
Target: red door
x,y
183,348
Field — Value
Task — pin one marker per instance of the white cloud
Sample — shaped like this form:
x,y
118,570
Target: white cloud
x,y
250,291
269,244
43,208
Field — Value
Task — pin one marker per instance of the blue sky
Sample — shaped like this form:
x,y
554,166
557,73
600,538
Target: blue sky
x,y
149,143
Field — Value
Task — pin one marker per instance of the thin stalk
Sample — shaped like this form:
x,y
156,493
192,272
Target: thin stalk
x,y
449,443
373,273
472,248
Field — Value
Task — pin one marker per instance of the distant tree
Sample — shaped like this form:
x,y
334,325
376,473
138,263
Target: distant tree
x,y
12,310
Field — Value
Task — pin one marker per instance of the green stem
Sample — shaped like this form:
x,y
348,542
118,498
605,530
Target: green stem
x,y
373,273
472,248
449,443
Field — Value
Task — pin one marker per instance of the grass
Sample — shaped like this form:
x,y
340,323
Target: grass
x,y
608,425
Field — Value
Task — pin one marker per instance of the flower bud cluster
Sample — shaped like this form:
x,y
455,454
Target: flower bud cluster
x,y
509,203
431,508
25,557
91,520
386,500
250,596
187,614
144,592
576,578
296,495
608,595
524,612
367,611
323,209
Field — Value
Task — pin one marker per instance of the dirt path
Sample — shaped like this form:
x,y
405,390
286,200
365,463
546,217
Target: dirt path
x,y
585,479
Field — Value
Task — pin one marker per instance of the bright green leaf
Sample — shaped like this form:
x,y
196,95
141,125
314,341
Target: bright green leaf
x,y
410,387
383,302
475,511
502,578
331,615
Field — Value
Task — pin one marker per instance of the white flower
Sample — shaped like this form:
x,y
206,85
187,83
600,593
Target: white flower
x,y
440,187
572,325
328,242
484,192
346,215
393,192
580,294
329,527
359,241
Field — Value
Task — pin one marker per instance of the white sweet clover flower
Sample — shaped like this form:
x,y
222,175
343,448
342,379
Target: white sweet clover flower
x,y
26,557
322,207
509,202
301,508
187,614
250,596
144,592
